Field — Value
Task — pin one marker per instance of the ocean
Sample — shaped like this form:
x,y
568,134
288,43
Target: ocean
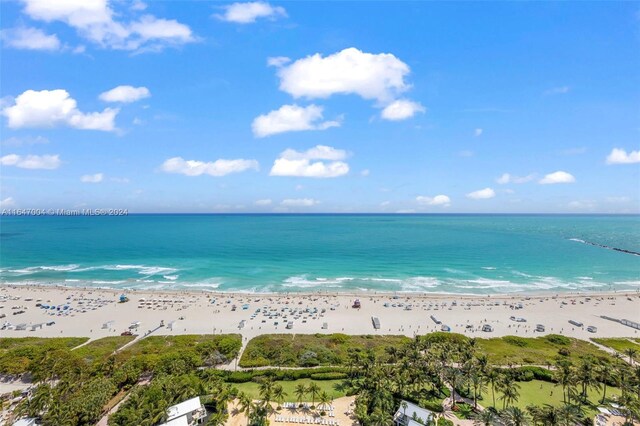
x,y
461,254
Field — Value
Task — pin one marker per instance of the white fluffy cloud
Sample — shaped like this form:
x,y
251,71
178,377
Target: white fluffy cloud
x,y
350,71
291,118
95,21
478,132
277,61
213,168
508,178
48,162
318,162
125,94
482,194
96,178
265,202
30,39
299,202
438,200
620,156
557,177
51,108
248,13
401,110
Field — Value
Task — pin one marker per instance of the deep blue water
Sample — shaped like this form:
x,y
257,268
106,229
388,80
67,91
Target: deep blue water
x,y
281,253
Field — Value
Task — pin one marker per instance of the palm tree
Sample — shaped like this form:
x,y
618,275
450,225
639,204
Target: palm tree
x,y
604,372
486,417
300,391
479,386
570,415
493,376
513,416
510,391
631,353
279,394
587,377
325,399
565,377
314,390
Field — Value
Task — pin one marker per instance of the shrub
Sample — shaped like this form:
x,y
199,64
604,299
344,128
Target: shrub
x,y
516,341
444,422
329,376
558,339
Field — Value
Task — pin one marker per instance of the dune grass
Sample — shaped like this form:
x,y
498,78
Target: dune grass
x,y
11,343
308,350
228,344
620,344
536,350
102,348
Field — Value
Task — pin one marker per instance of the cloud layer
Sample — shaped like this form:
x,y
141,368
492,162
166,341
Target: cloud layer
x,y
95,20
125,94
318,162
250,12
48,162
401,110
350,71
213,168
52,108
291,118
30,39
620,156
482,194
438,200
557,177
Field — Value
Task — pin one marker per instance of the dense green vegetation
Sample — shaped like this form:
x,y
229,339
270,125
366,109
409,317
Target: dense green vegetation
x,y
307,350
624,346
21,355
440,360
97,350
147,405
512,350
76,386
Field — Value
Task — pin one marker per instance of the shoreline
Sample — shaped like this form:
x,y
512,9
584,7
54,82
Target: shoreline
x,y
96,313
350,293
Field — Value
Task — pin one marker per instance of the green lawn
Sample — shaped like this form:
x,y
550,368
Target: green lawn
x,y
538,393
307,350
102,348
535,350
621,345
253,389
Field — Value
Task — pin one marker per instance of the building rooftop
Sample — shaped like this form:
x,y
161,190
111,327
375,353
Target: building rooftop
x,y
412,410
182,409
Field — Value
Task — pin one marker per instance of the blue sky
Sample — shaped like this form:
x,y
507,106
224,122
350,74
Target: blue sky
x,y
321,106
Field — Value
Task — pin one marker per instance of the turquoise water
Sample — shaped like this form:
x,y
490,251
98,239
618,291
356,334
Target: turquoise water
x,y
292,253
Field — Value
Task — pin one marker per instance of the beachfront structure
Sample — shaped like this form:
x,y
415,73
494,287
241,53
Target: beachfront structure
x,y
410,414
187,413
27,422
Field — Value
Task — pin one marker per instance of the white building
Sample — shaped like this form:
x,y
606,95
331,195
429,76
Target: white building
x,y
412,415
26,422
188,413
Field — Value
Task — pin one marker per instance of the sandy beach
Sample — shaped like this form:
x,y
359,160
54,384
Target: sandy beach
x,y
97,313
